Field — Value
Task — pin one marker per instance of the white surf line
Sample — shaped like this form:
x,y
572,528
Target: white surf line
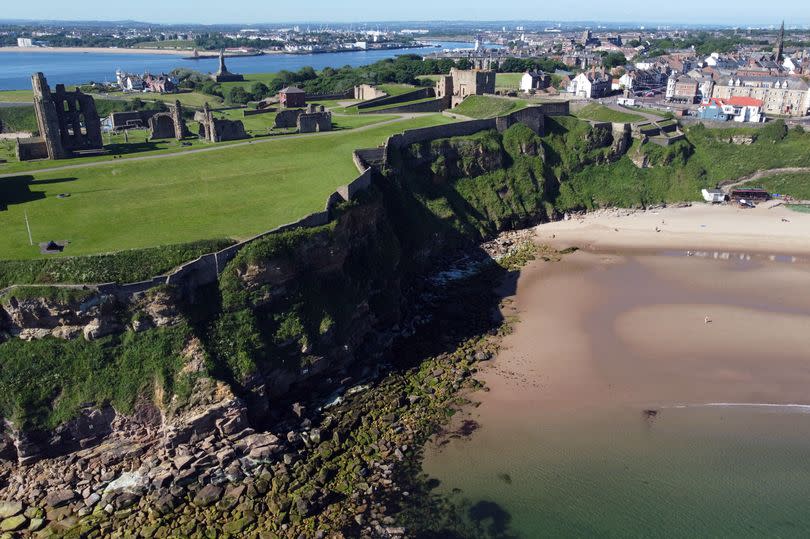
x,y
794,406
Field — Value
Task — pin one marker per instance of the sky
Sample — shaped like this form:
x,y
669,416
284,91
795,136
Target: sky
x,y
721,12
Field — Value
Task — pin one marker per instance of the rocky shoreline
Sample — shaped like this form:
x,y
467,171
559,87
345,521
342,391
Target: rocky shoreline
x,y
335,470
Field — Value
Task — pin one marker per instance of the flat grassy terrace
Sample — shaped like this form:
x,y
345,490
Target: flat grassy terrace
x,y
481,106
600,113
235,192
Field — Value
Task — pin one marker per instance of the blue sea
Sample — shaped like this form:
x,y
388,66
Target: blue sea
x,y
78,68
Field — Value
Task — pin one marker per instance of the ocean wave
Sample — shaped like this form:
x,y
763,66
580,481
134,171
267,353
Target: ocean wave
x,y
790,406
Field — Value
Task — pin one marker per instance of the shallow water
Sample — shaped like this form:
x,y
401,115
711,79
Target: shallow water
x,y
566,445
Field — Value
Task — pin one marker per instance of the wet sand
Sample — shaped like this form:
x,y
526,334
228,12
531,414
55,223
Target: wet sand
x,y
602,338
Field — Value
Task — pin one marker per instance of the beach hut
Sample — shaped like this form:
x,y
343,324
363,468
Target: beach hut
x,y
713,195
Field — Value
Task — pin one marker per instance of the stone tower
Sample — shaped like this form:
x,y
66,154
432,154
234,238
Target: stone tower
x,y
222,69
179,124
47,117
778,52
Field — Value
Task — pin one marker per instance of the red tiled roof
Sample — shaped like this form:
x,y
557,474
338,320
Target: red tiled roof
x,y
740,101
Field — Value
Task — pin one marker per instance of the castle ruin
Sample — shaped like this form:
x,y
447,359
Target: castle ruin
x,y
461,83
68,123
216,129
168,124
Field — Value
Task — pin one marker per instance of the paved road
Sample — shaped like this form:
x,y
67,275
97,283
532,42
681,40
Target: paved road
x,y
264,140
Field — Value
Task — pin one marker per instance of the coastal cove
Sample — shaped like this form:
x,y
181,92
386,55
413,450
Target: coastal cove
x,y
82,67
616,409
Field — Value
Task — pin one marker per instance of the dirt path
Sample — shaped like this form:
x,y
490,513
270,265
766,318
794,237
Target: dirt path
x,y
401,118
758,175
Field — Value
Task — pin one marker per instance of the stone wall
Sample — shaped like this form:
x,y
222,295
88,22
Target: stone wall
x,y
366,92
287,118
314,122
32,148
265,110
161,126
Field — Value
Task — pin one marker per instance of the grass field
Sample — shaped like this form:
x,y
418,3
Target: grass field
x,y
600,113
261,124
480,106
508,80
230,192
188,99
16,96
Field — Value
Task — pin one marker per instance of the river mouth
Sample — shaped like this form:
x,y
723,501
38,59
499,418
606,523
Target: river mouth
x,y
642,395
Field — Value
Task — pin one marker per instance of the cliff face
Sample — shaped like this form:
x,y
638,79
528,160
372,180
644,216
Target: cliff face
x,y
294,313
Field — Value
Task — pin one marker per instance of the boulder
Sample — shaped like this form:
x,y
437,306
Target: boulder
x,y
10,509
59,498
98,328
14,523
208,495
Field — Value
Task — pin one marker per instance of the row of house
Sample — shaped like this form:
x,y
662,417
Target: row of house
x,y
161,83
738,109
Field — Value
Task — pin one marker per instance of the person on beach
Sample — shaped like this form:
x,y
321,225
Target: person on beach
x,y
707,320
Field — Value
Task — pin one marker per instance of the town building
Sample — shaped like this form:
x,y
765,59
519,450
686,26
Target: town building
x,y
128,82
738,109
591,85
789,96
25,42
292,97
534,80
160,84
681,89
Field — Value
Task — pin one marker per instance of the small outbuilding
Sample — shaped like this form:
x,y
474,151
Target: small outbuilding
x,y
292,97
713,195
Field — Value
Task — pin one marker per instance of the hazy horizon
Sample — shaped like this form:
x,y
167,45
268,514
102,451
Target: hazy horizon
x,y
208,12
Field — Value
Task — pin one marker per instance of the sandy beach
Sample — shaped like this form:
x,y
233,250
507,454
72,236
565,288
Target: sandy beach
x,y
769,227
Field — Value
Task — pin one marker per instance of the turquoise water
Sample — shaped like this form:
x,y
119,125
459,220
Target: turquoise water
x,y
695,472
599,427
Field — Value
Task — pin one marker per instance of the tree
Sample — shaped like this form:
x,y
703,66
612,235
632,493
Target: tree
x,y
464,64
614,59
238,96
259,91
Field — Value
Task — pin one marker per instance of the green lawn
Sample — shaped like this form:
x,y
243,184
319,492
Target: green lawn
x,y
397,89
262,124
390,106
508,80
229,192
600,113
480,106
16,96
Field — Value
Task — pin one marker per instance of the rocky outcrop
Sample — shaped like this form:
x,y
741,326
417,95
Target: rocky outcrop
x,y
457,158
72,313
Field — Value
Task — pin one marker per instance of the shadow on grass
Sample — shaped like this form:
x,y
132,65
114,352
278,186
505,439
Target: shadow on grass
x,y
17,190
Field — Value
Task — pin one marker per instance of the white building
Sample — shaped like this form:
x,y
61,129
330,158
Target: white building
x,y
532,80
590,85
24,42
128,82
